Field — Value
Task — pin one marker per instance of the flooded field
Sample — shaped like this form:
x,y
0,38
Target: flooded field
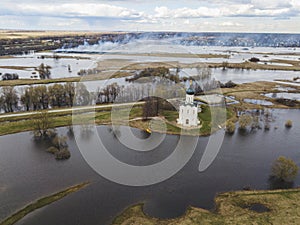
x,y
291,96
116,57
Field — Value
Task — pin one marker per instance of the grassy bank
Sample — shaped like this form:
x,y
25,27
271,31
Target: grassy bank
x,y
242,65
21,82
253,90
242,207
101,76
16,124
41,203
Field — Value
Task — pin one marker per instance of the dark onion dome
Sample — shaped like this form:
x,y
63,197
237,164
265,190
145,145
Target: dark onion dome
x,y
190,91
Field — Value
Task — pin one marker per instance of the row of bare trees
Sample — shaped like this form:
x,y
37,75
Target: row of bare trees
x,y
43,97
160,87
54,96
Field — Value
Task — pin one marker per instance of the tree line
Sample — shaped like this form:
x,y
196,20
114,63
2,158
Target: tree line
x,y
43,97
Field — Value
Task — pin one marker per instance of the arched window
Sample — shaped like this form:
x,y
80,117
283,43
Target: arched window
x,y
187,122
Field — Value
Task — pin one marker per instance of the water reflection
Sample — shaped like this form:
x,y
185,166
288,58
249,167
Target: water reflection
x,y
27,173
275,183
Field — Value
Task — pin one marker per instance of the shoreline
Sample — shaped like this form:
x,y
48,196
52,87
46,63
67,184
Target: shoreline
x,y
62,117
41,202
129,69
230,206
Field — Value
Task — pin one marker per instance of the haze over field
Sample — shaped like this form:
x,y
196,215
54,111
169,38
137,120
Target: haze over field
x,y
136,15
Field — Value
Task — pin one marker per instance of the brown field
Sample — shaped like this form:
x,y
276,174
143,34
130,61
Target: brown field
x,y
14,34
177,55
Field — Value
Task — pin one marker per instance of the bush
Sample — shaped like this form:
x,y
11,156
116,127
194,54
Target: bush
x,y
267,126
230,127
52,150
245,121
229,84
287,102
254,59
288,124
63,154
284,169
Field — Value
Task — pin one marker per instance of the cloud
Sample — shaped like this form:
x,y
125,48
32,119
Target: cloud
x,y
213,8
70,10
164,12
192,15
238,10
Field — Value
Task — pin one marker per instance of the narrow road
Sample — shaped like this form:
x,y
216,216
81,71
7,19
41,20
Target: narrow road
x,y
71,109
288,83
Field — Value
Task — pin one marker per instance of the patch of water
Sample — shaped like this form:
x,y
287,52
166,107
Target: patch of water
x,y
29,173
258,102
291,96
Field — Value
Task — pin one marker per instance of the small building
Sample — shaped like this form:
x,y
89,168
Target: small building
x,y
188,111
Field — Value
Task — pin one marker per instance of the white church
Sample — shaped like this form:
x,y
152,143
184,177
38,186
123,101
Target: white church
x,y
188,111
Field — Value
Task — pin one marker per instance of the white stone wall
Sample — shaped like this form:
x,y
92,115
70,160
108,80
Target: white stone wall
x,y
188,116
189,99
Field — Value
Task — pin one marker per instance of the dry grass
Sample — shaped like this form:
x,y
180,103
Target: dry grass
x,y
32,81
231,208
255,66
179,55
129,65
289,62
254,91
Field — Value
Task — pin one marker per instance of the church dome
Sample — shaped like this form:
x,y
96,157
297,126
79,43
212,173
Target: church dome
x,y
190,91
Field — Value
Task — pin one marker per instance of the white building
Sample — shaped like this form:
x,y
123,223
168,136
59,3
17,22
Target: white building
x,y
188,111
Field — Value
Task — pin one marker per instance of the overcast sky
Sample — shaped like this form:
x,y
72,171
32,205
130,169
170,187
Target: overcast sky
x,y
153,15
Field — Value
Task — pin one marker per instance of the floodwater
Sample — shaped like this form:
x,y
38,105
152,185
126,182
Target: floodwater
x,y
59,67
258,102
291,96
27,173
244,76
127,52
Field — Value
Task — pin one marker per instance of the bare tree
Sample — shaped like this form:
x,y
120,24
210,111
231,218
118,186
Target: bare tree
x,y
42,125
9,99
44,71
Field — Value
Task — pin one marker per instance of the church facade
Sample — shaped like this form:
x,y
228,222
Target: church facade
x,y
188,111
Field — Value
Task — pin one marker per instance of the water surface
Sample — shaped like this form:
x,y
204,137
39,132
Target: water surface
x,y
27,173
